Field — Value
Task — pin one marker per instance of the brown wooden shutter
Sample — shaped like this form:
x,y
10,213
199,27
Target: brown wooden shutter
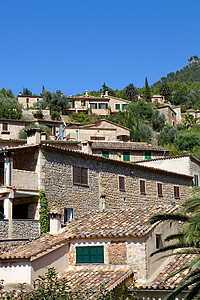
x,y
142,187
76,174
122,183
176,192
84,175
159,185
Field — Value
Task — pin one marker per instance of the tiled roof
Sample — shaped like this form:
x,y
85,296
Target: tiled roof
x,y
127,146
94,277
177,262
46,243
169,158
115,223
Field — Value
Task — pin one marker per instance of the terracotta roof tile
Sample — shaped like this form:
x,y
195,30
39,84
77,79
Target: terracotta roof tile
x,y
177,262
127,146
129,222
93,277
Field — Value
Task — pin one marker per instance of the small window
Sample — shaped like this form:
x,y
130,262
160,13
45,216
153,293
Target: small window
x,y
97,138
147,155
122,183
27,100
172,115
142,187
103,105
124,106
160,189
117,106
89,254
80,175
83,103
173,123
105,154
159,243
68,214
93,105
126,156
196,180
5,126
176,192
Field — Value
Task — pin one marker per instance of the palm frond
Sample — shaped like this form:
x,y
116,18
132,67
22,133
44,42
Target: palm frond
x,y
170,247
164,217
194,291
174,236
191,203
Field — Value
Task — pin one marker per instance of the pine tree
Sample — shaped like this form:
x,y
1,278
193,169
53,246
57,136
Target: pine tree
x,y
147,91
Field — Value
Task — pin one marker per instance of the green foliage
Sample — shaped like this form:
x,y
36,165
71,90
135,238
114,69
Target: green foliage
x,y
7,93
10,108
50,287
23,134
188,120
83,118
158,120
26,92
188,243
130,91
110,91
44,210
167,135
55,115
165,90
38,114
54,101
141,133
187,141
147,91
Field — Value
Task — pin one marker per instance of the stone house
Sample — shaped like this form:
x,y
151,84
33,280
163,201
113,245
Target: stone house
x,y
128,151
76,183
9,129
112,243
169,114
100,130
28,100
158,98
102,106
183,164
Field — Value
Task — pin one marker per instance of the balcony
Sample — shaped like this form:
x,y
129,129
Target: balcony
x,y
24,179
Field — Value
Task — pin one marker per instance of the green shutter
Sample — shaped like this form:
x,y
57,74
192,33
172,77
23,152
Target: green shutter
x,y
73,103
106,105
95,105
126,156
105,154
196,180
147,155
89,254
117,106
99,105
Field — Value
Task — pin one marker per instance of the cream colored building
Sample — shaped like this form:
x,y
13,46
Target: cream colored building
x,y
158,98
100,130
103,105
28,100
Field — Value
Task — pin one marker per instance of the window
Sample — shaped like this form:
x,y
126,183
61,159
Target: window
x,y
124,106
142,187
172,115
173,123
176,192
97,138
105,154
72,104
80,175
196,180
83,103
89,254
27,100
159,243
93,105
117,106
122,183
159,188
147,155
5,126
103,105
68,214
126,156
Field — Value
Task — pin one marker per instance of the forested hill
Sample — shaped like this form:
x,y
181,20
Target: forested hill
x,y
189,73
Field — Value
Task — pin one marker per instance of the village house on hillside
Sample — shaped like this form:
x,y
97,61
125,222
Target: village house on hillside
x,y
111,242
169,114
103,105
28,100
76,183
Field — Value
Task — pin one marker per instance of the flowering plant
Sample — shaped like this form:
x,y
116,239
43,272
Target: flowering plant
x,y
43,211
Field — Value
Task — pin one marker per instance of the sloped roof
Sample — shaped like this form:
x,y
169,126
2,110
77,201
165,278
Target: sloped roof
x,y
41,245
159,282
170,158
115,223
127,146
94,277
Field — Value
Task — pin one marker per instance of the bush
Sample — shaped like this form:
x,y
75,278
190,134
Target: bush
x,y
38,114
187,141
55,115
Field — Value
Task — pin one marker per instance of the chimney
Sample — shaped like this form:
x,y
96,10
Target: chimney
x,y
106,93
55,221
33,136
86,93
20,93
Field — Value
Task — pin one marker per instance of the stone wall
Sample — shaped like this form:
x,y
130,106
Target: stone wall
x,y
27,161
117,253
103,184
4,229
20,229
24,179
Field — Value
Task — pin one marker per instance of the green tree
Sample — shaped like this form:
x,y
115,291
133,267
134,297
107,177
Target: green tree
x,y
158,120
26,92
147,91
165,90
188,243
110,91
167,135
10,108
23,134
130,91
187,141
54,101
188,120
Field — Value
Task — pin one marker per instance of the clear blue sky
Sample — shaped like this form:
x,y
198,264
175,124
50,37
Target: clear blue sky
x,y
77,45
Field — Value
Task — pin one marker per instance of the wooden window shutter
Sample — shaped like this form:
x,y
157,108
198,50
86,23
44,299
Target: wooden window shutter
x,y
176,192
160,192
142,187
84,175
122,183
76,174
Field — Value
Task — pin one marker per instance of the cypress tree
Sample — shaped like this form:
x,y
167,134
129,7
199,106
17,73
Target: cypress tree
x,y
147,91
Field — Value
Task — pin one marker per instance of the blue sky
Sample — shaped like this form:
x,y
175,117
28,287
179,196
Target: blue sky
x,y
77,45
